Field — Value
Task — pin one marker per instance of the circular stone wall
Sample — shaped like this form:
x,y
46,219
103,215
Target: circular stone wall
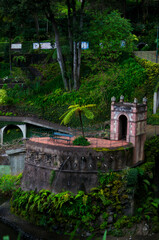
x,y
60,168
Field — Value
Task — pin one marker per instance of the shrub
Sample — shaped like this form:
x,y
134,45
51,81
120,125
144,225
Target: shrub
x,y
9,183
132,177
81,141
3,95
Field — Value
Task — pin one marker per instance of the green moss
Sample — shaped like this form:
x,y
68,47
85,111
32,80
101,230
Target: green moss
x,y
52,176
110,149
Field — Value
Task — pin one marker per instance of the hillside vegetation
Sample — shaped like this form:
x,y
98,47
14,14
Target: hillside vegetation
x,y
45,82
131,77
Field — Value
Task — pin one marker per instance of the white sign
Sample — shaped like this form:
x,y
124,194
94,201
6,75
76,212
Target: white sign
x,y
35,45
46,45
84,45
16,46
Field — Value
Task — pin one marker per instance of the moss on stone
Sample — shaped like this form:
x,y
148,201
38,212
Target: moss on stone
x,y
109,149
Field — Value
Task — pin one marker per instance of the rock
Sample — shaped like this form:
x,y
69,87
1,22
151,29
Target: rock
x,y
145,229
142,229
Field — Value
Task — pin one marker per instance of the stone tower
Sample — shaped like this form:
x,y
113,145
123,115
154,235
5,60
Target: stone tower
x,y
128,122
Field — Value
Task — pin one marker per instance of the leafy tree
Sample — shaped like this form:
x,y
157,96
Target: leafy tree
x,y
77,109
110,36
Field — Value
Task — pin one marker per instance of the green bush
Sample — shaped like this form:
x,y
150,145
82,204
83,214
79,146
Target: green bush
x,y
81,141
9,183
132,177
4,49
4,70
3,95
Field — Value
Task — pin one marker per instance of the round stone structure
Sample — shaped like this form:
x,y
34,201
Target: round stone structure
x,y
61,168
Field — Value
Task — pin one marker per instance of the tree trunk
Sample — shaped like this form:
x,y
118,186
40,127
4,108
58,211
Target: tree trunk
x,y
59,53
80,116
37,28
77,53
36,23
75,45
145,5
70,41
10,56
75,59
79,65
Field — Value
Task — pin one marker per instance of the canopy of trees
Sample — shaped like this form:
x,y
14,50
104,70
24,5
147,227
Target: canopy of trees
x,y
68,22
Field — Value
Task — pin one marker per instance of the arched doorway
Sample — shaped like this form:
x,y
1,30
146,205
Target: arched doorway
x,y
122,127
11,133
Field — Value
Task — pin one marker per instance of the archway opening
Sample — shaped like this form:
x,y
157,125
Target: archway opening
x,y
122,127
12,133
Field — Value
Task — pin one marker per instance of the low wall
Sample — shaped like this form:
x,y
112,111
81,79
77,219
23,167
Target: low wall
x,y
72,168
14,161
4,164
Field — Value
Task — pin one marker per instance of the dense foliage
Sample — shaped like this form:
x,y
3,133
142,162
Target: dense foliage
x,y
9,183
95,208
62,208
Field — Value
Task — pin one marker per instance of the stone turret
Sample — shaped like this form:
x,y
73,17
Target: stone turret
x,y
128,122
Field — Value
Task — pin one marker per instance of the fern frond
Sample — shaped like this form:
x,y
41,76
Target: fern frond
x,y
89,114
74,106
63,115
67,118
90,105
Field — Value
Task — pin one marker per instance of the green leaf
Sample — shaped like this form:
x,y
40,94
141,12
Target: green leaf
x,y
6,238
155,204
147,182
105,235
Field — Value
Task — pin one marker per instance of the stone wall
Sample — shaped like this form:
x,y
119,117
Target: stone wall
x,y
75,168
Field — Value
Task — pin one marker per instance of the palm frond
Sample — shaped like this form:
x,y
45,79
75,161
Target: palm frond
x,y
74,106
90,105
67,117
89,114
63,115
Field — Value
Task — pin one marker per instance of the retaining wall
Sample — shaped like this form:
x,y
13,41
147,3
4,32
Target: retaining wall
x,y
72,168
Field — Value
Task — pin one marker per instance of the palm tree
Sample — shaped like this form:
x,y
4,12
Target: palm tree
x,y
77,109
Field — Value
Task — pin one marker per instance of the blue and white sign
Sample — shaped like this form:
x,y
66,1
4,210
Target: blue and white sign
x,y
45,45
84,45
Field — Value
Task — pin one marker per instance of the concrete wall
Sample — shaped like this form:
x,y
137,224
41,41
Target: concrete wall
x,y
16,160
75,168
4,164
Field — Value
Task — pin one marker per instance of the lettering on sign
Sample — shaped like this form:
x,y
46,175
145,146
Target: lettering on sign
x,y
45,45
84,45
16,46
